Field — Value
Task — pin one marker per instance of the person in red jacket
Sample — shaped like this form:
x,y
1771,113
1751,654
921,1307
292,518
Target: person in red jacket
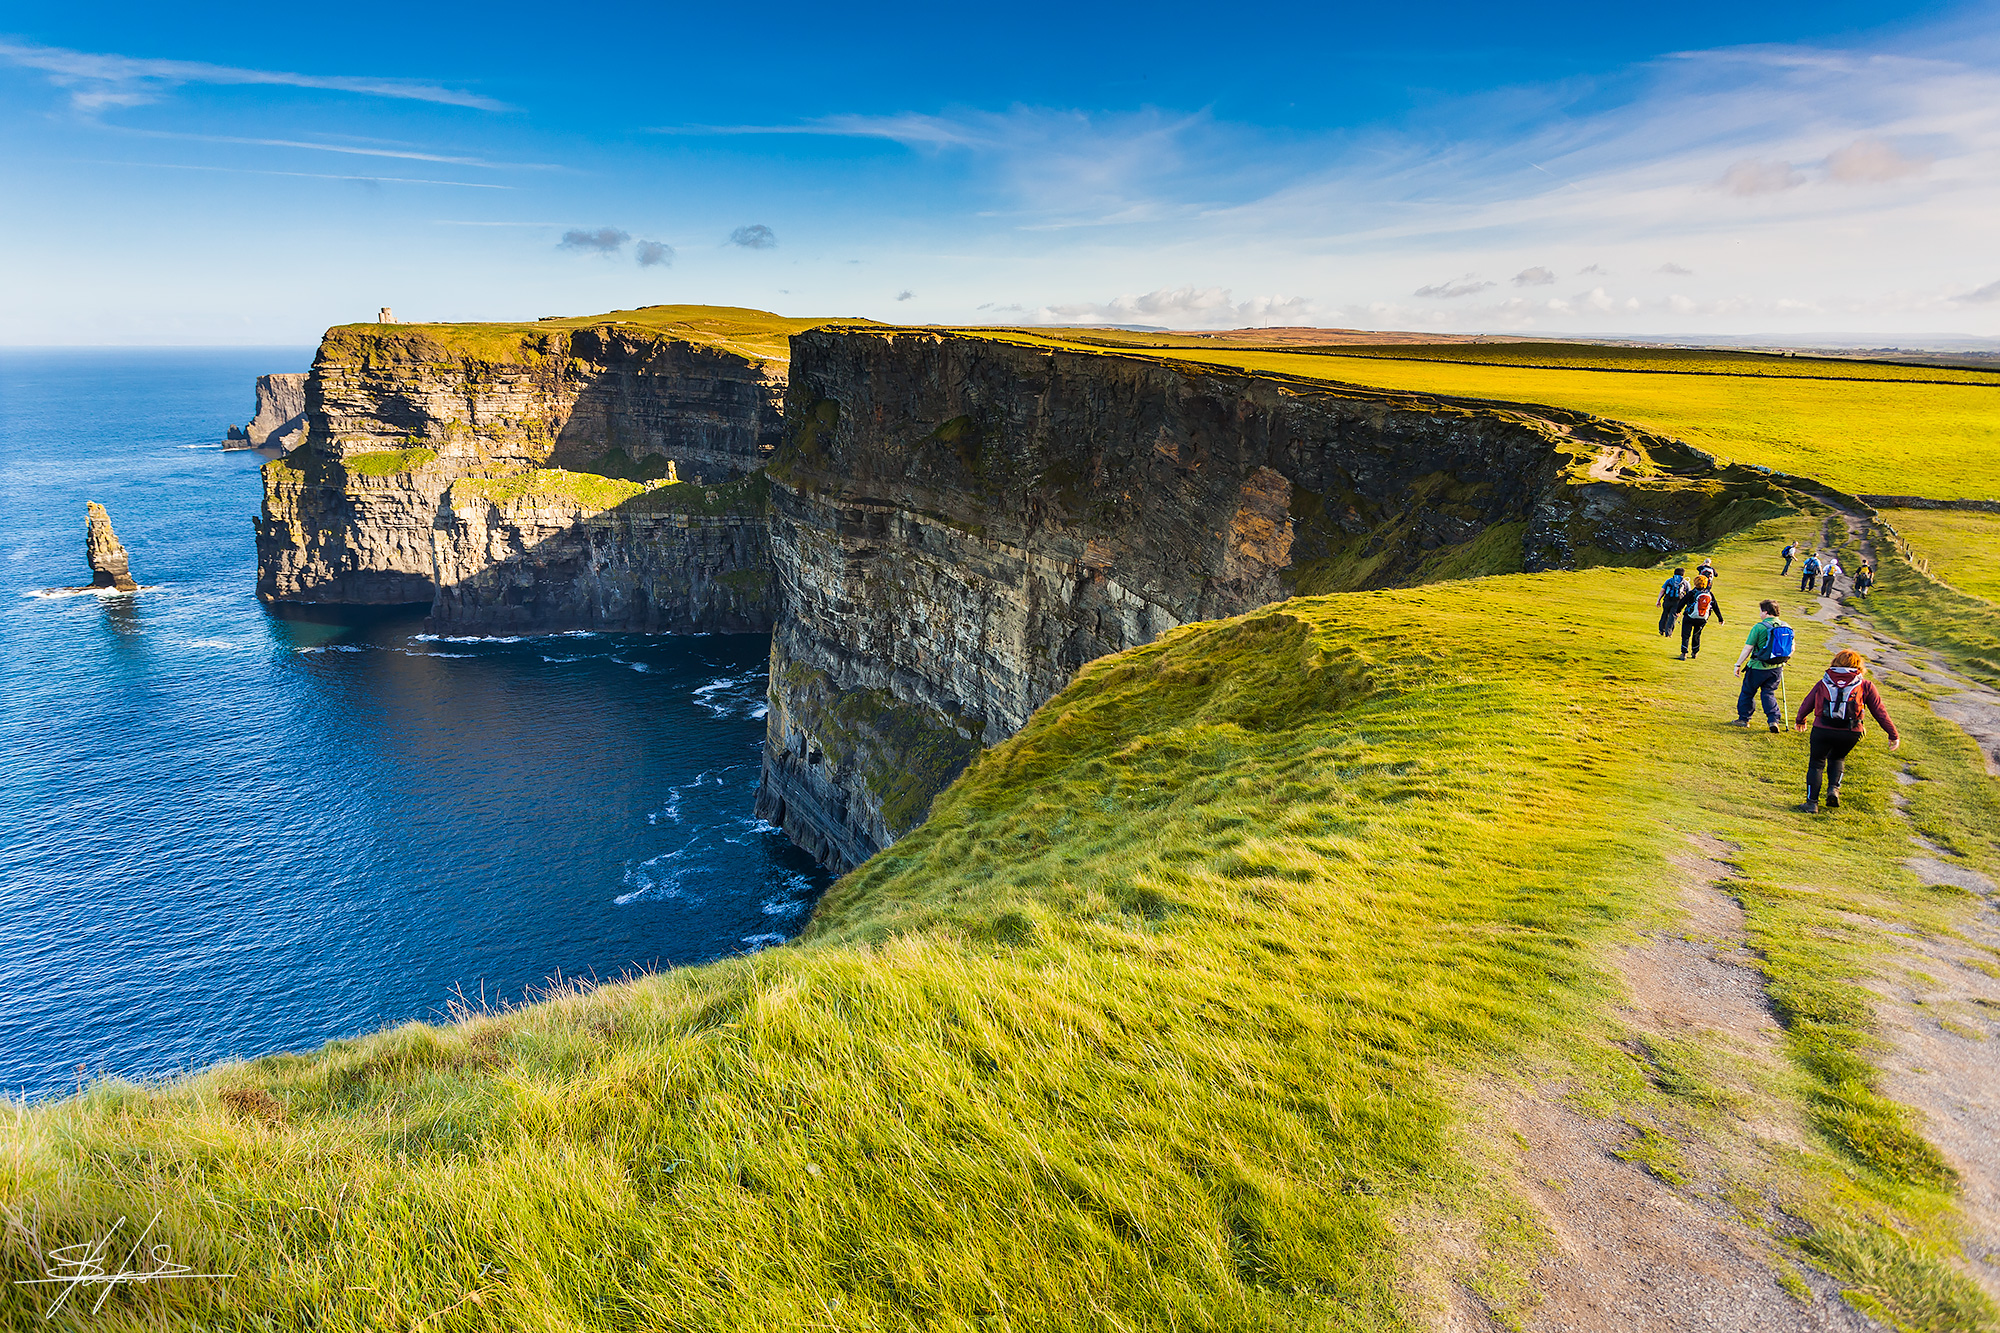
x,y
1835,705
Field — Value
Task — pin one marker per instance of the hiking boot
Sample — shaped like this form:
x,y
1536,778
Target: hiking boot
x,y
1809,808
1740,722
1776,728
1833,799
1684,657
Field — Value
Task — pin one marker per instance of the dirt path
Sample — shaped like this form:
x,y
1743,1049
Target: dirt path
x,y
1633,1252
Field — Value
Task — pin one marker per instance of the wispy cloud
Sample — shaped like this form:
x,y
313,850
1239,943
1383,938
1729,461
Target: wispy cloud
x,y
353,150
321,176
1465,286
1534,277
97,81
653,254
754,237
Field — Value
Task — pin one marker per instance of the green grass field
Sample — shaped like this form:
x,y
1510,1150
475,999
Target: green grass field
x,y
1961,546
1874,430
1185,1009
1588,356
1861,437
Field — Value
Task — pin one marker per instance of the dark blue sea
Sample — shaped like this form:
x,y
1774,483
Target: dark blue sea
x,y
225,833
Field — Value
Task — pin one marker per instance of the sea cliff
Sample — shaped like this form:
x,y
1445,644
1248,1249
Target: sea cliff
x,y
404,424
963,520
939,528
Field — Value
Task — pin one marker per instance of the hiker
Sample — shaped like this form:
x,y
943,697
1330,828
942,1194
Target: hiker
x,y
1864,579
1835,705
1791,549
1706,569
1829,571
1810,573
1701,604
1672,593
1762,665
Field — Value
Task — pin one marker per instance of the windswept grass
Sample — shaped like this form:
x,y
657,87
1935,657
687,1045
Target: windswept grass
x,y
1962,546
1165,1018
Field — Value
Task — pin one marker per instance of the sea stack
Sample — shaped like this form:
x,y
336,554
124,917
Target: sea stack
x,y
109,565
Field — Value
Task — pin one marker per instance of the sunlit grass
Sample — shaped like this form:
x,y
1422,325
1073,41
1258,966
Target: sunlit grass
x,y
1962,546
1178,1002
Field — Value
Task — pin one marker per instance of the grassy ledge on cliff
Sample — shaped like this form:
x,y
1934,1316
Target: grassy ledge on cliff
x,y
1227,994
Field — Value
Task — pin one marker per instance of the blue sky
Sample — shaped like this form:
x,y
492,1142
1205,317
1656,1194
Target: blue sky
x,y
224,174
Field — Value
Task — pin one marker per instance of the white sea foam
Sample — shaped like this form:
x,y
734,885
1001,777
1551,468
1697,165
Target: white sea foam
x,y
47,594
470,638
560,660
337,648
757,942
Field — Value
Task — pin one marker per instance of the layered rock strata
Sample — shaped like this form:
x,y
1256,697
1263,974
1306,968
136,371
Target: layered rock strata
x,y
281,412
363,513
110,566
961,522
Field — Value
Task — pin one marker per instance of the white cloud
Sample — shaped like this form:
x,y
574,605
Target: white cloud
x,y
1534,277
1756,176
1183,308
1674,271
96,82
1871,161
1983,295
1465,286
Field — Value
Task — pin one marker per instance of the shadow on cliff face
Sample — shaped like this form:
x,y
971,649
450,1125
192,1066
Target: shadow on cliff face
x,y
960,523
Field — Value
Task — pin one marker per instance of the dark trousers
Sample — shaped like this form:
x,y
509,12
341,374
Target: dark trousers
x,y
1826,590
1760,681
1806,580
1691,634
1829,751
1788,566
1668,610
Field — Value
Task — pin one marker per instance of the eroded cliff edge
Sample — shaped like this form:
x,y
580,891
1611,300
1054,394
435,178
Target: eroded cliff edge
x,y
961,521
560,475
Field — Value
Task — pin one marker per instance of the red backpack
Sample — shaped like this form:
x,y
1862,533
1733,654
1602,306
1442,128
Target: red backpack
x,y
1703,603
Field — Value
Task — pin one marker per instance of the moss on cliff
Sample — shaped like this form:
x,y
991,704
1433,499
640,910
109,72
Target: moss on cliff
x,y
551,485
388,462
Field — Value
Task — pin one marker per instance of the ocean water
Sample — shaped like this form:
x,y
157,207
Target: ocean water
x,y
225,833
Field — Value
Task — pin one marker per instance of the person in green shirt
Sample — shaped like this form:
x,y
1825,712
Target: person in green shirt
x,y
1760,675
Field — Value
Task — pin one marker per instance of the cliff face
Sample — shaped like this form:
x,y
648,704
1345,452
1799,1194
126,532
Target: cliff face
x,y
110,566
509,555
281,410
959,523
395,415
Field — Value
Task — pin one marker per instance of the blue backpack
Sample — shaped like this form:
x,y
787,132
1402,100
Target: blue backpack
x,y
1778,645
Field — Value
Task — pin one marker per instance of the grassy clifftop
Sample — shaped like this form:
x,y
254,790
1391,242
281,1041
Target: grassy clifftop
x,y
1199,1003
1864,428
757,335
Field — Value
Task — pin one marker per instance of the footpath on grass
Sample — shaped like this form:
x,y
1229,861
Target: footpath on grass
x,y
1417,958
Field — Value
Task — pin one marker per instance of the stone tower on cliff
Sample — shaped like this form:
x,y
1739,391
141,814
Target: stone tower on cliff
x,y
387,316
